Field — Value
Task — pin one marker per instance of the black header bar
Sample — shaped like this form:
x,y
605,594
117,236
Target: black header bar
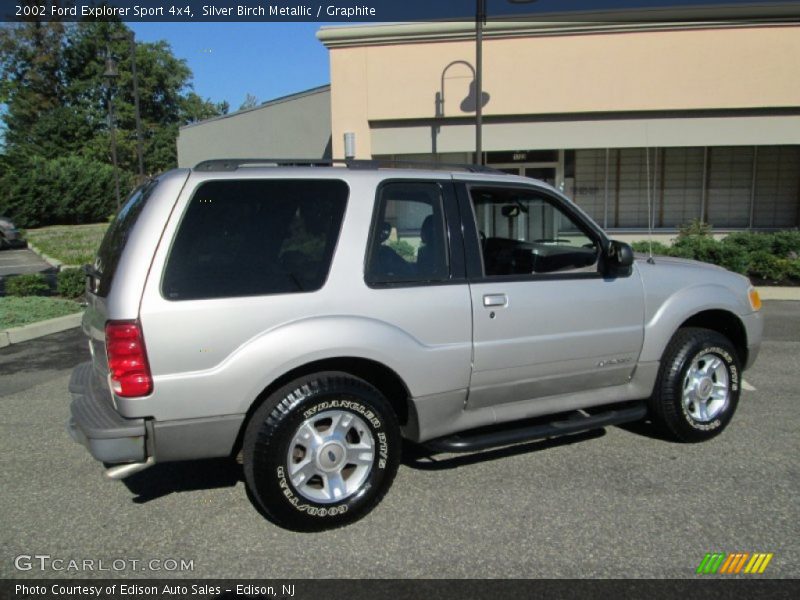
x,y
365,11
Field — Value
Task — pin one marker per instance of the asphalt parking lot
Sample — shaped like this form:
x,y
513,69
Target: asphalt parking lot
x,y
617,502
17,262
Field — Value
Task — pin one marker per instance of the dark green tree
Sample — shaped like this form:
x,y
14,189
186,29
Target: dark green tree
x,y
31,65
56,116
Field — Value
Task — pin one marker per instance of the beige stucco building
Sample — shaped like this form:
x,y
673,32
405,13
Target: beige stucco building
x,y
704,116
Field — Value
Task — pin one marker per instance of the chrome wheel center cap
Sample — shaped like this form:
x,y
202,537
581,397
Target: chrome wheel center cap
x,y
331,456
704,388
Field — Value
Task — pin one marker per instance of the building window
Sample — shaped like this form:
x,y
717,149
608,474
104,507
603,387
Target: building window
x,y
777,188
588,184
680,192
730,185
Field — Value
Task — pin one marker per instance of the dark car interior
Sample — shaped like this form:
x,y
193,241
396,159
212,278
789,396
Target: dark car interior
x,y
524,233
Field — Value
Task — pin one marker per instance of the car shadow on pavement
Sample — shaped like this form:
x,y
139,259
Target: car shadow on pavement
x,y
58,351
419,457
186,476
647,429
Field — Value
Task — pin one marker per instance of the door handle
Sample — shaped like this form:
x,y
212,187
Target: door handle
x,y
493,300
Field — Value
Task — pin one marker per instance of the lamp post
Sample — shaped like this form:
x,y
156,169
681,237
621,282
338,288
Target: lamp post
x,y
111,74
471,102
480,21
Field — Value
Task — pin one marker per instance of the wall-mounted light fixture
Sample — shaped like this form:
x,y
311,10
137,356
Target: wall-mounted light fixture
x,y
349,145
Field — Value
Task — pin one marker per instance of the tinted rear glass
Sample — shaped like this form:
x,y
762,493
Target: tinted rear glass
x,y
255,237
117,236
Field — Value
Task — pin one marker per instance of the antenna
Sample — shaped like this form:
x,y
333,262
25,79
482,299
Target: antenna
x,y
650,216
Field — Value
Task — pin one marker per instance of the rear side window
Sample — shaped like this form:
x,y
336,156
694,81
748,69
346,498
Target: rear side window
x,y
117,236
255,237
408,241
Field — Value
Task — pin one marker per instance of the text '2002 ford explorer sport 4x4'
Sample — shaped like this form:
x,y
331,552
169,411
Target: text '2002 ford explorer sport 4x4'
x,y
308,319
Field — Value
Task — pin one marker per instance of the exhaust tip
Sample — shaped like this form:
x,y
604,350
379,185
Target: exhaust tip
x,y
122,471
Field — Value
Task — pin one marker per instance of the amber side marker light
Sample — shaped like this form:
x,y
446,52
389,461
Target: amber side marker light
x,y
755,299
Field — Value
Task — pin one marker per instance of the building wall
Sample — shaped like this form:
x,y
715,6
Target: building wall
x,y
298,126
383,85
637,123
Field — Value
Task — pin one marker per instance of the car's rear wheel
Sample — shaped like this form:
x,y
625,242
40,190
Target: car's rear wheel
x,y
321,451
698,385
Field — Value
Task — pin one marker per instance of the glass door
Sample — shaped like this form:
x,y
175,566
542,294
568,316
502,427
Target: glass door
x,y
547,172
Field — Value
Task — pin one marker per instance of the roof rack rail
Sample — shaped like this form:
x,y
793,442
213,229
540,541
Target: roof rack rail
x,y
232,164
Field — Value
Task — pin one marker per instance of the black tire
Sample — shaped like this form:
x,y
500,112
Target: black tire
x,y
273,429
683,420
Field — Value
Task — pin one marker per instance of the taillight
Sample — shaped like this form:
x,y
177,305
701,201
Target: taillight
x,y
127,359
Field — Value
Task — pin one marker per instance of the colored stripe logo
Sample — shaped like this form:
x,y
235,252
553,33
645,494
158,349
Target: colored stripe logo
x,y
721,563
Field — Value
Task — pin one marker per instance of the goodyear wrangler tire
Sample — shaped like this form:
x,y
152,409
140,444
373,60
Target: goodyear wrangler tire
x,y
698,385
321,452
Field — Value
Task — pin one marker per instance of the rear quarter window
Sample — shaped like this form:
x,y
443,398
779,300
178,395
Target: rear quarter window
x,y
255,237
116,236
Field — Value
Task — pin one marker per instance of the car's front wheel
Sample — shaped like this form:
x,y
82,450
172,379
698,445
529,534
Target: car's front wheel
x,y
321,451
698,385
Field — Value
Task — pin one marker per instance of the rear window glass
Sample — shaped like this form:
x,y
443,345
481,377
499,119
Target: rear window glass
x,y
255,237
117,236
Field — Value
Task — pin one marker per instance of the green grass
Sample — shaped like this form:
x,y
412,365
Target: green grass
x,y
30,309
71,244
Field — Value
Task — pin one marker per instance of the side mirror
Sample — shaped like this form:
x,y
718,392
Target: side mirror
x,y
619,258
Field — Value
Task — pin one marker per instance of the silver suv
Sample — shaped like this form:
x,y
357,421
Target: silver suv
x,y
308,319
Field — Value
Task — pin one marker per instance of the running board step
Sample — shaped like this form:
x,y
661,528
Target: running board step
x,y
477,440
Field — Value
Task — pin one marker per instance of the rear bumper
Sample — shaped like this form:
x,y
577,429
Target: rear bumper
x,y
95,424
111,438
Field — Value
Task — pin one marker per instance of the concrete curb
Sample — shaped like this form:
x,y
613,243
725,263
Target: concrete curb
x,y
778,293
15,335
56,264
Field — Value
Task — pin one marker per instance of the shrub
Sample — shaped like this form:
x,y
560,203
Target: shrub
x,y
732,258
33,284
697,247
707,249
695,227
786,244
769,256
67,190
793,270
750,242
644,246
71,283
768,266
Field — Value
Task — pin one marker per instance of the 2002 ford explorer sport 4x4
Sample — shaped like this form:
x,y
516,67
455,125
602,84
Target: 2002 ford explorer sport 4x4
x,y
307,319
